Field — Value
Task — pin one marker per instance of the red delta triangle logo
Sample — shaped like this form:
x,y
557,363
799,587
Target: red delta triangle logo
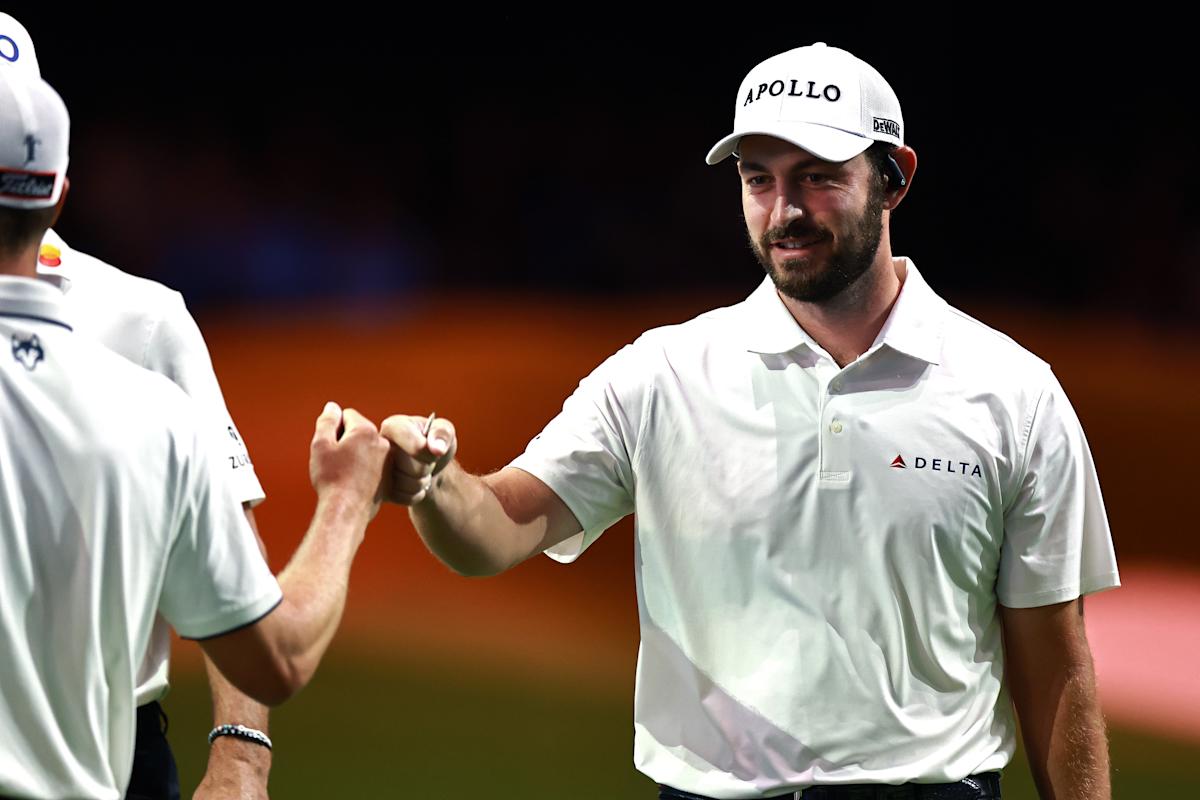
x,y
938,465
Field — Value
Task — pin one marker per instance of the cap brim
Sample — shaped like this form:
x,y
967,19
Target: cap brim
x,y
827,144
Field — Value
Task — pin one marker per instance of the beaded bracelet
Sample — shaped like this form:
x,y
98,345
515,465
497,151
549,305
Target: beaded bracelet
x,y
240,732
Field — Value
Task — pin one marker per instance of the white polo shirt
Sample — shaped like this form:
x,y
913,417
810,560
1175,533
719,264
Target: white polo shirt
x,y
111,510
820,550
149,324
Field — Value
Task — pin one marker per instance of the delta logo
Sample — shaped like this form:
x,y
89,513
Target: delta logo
x,y
938,465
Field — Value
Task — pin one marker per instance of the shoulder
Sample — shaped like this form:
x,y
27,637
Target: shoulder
x,y
133,316
106,302
105,415
973,350
93,280
714,330
119,390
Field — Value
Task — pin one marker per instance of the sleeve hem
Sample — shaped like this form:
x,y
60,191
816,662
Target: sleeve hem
x,y
1090,585
571,548
234,620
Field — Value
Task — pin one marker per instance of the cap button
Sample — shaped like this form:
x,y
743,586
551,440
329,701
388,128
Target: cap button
x,y
819,44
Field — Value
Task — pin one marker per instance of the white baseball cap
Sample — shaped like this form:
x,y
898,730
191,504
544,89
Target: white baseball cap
x,y
16,48
819,98
34,132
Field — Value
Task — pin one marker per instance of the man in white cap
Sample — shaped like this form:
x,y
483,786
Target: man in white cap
x,y
149,324
864,521
114,511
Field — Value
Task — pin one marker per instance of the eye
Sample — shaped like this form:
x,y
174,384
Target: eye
x,y
814,178
757,180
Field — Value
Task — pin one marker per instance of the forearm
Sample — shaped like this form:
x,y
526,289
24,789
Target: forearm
x,y
236,767
315,583
1053,685
1067,745
464,523
231,760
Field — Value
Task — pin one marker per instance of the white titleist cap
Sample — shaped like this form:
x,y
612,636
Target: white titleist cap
x,y
819,98
34,130
16,48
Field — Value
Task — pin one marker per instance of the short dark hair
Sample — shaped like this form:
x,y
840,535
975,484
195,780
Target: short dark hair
x,y
21,227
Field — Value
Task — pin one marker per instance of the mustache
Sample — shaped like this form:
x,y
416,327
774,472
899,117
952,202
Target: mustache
x,y
796,229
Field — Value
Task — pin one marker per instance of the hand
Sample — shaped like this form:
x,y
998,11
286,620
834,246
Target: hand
x,y
347,457
416,458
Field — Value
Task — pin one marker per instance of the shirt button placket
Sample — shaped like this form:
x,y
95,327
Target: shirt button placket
x,y
835,456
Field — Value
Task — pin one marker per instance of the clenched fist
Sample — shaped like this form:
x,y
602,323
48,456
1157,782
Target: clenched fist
x,y
348,457
416,456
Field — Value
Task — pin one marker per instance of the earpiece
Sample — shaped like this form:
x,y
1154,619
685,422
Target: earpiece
x,y
895,175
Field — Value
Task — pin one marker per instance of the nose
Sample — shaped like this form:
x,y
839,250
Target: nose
x,y
786,208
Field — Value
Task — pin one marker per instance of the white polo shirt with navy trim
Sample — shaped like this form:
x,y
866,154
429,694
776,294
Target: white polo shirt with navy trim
x,y
819,550
112,512
149,324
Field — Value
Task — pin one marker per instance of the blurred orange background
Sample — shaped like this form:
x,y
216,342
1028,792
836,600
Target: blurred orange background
x,y
500,366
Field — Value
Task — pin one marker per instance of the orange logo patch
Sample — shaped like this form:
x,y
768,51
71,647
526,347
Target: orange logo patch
x,y
49,256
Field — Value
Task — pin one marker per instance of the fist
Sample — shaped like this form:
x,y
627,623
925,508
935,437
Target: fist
x,y
348,457
416,457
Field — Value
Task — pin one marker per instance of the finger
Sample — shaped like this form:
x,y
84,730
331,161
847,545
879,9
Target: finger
x,y
404,464
405,432
328,423
356,421
441,437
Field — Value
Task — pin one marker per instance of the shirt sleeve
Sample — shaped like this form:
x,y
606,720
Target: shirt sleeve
x,y
585,454
216,580
176,349
1057,543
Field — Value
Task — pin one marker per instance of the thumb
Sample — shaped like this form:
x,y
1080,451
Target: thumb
x,y
328,422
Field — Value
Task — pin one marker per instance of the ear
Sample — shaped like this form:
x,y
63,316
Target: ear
x,y
906,159
62,199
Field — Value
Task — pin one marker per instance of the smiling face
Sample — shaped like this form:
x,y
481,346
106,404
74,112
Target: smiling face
x,y
814,225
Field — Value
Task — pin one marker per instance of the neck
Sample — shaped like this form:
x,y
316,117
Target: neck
x,y
847,325
22,263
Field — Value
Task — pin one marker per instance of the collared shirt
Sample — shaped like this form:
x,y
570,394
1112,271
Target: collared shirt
x,y
112,512
149,324
820,550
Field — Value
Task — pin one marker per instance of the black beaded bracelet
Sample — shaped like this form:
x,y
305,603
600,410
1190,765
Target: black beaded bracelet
x,y
239,732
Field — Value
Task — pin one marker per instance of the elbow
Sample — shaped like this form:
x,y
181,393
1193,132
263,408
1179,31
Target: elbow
x,y
271,680
476,570
279,682
477,564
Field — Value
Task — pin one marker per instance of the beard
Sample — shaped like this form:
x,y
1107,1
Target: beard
x,y
815,278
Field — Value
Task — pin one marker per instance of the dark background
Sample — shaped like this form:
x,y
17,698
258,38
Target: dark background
x,y
243,156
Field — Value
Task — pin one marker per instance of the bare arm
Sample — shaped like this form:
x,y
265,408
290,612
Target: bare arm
x,y
237,768
273,658
475,525
1049,673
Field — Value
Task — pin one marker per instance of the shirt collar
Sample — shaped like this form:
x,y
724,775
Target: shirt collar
x,y
27,298
770,327
914,326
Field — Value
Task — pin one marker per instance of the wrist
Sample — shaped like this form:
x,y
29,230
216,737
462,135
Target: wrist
x,y
237,759
344,505
439,482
